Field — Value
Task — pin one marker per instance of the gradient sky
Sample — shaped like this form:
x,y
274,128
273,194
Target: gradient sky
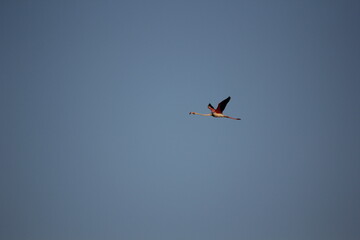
x,y
96,141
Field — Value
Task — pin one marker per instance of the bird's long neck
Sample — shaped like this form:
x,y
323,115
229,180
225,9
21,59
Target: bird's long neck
x,y
209,114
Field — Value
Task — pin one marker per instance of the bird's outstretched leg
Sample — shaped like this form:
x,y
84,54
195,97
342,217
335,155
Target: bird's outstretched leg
x,y
232,118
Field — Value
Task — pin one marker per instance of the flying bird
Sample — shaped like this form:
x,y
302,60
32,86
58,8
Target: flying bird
x,y
218,112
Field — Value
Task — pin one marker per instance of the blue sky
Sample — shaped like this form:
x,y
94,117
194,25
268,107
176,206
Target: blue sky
x,y
97,143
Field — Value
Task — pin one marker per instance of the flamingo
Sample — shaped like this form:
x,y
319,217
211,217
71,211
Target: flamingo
x,y
218,112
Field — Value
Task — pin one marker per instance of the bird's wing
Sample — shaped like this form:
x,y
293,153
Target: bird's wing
x,y
212,109
220,108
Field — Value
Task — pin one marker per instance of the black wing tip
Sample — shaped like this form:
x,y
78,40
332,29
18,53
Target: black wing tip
x,y
227,99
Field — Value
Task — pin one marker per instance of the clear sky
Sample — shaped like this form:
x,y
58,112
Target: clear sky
x,y
96,141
